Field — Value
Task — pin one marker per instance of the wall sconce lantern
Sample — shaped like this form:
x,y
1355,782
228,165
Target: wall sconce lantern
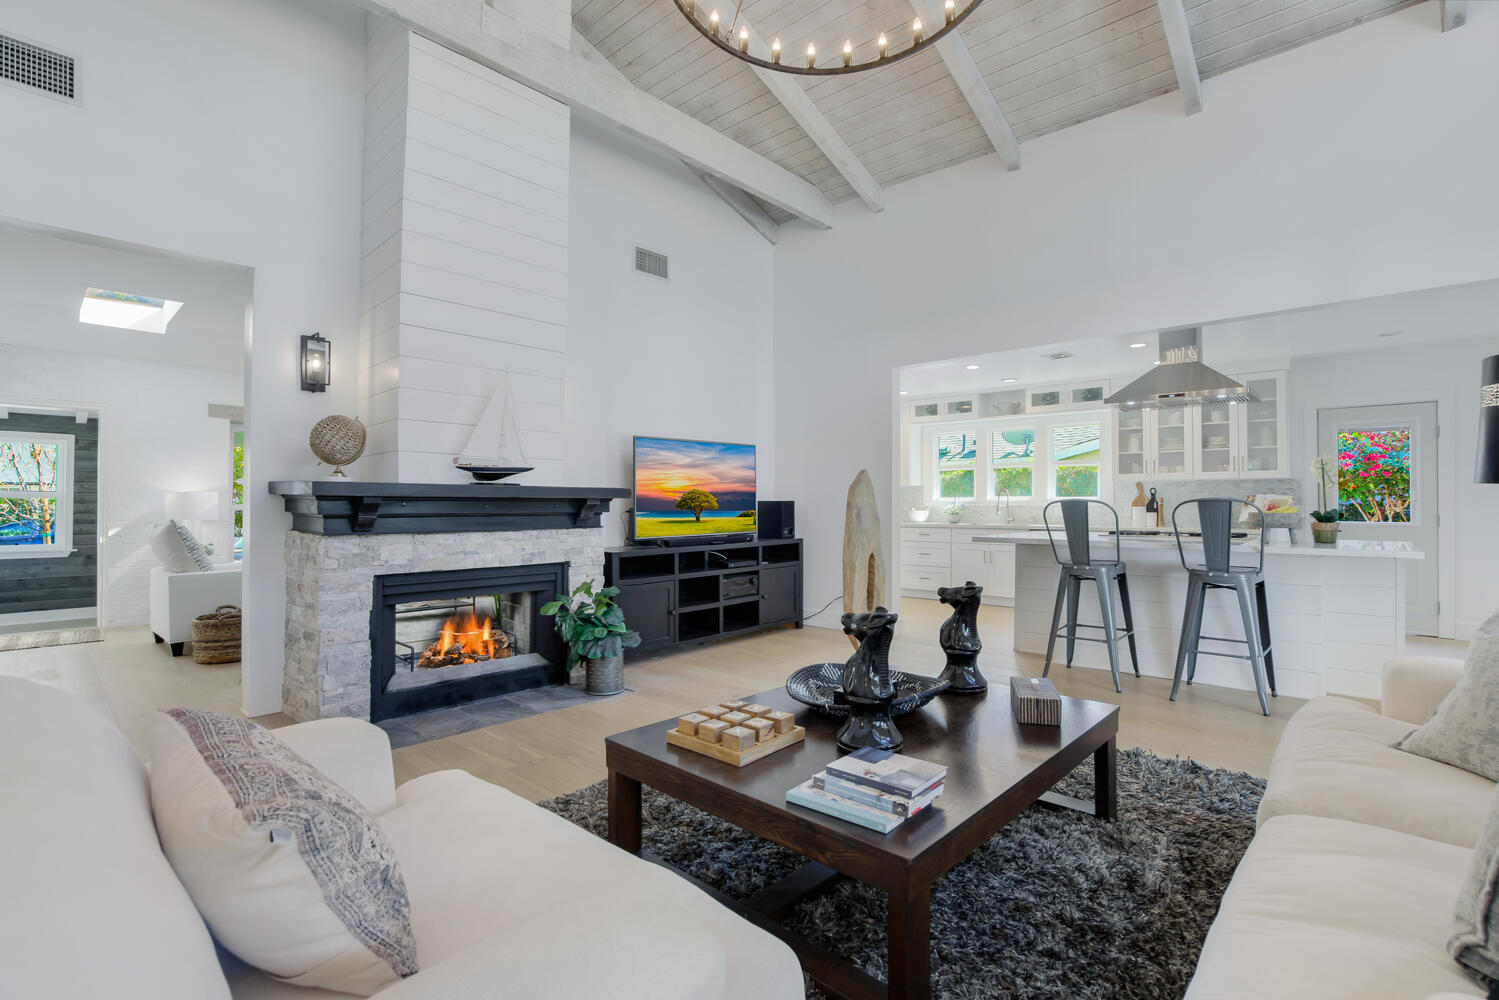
x,y
1488,423
317,355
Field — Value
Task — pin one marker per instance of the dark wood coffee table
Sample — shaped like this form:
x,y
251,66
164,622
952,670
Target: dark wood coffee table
x,y
996,768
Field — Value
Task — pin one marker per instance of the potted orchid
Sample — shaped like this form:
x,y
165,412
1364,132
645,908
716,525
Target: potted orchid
x,y
593,626
1325,519
954,512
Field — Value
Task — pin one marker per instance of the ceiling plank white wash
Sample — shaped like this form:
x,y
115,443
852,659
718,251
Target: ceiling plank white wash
x,y
1454,14
563,75
1183,58
975,89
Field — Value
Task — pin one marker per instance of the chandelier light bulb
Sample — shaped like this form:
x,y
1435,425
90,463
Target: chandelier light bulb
x,y
916,30
775,51
883,44
690,7
743,39
848,53
950,10
811,55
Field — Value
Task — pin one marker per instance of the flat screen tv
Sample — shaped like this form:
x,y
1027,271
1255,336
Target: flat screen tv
x,y
699,490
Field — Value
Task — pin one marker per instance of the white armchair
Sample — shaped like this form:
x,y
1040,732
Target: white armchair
x,y
178,598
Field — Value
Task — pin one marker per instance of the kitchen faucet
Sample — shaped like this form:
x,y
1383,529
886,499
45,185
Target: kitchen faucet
x,y
1009,517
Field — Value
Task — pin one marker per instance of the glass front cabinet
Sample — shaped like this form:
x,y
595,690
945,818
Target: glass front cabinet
x,y
1263,427
1218,440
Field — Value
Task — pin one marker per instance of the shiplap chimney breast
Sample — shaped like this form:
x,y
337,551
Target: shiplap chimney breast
x,y
465,258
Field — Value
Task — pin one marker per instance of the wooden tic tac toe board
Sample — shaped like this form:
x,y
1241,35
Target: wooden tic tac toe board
x,y
736,732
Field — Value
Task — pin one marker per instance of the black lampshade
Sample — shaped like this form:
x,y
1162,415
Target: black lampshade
x,y
1488,423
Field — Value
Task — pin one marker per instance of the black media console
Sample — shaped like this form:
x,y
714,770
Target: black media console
x,y
696,594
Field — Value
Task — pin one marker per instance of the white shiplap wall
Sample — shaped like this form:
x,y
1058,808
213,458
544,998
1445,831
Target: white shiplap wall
x,y
465,258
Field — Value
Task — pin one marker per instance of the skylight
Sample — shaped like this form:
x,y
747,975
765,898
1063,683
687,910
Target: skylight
x,y
124,311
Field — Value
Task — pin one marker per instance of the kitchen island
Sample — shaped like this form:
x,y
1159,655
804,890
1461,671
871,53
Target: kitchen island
x,y
1337,612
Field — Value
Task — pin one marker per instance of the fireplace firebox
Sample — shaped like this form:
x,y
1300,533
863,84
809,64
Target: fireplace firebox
x,y
447,637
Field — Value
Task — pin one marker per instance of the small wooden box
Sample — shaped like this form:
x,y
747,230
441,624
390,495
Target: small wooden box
x,y
738,738
764,729
784,721
712,730
1035,701
687,724
755,710
733,706
735,718
712,711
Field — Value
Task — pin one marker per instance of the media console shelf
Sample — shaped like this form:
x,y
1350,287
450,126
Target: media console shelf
x,y
691,594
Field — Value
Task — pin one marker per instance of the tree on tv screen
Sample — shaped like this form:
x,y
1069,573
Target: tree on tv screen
x,y
696,501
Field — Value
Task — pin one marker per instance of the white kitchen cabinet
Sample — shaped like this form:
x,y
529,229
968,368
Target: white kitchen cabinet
x,y
1264,427
1216,433
1155,444
991,565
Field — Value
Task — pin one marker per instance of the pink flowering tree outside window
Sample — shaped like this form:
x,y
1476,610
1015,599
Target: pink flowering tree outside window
x,y
1374,475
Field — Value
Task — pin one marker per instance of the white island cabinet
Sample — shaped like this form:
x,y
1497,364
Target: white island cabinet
x,y
1337,613
947,555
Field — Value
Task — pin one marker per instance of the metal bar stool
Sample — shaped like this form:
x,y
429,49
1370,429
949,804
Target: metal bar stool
x,y
1079,565
1215,517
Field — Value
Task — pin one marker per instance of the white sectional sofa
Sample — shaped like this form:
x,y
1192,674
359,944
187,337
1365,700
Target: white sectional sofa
x,y
1349,885
507,899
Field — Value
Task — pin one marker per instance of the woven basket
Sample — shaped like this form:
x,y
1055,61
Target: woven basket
x,y
216,635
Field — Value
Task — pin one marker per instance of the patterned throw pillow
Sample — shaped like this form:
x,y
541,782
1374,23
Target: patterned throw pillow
x,y
194,548
291,873
1475,924
1464,730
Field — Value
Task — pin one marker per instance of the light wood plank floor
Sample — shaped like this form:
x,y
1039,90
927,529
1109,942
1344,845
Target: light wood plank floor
x,y
129,677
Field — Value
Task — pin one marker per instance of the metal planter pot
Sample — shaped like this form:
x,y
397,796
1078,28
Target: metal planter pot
x,y
604,676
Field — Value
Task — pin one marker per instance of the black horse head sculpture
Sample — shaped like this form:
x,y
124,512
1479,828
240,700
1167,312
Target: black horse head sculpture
x,y
960,640
867,685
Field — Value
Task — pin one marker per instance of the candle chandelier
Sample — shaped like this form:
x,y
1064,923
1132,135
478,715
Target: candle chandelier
x,y
735,40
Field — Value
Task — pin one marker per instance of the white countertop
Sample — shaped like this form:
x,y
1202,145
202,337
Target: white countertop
x,y
1345,548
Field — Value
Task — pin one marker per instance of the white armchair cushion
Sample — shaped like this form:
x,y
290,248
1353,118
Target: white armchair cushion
x,y
351,753
288,869
1464,730
1413,686
1336,758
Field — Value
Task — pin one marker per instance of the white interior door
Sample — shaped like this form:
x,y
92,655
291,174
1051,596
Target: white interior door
x,y
1387,489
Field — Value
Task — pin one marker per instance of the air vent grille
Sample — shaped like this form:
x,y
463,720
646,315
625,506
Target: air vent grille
x,y
1058,356
37,68
650,262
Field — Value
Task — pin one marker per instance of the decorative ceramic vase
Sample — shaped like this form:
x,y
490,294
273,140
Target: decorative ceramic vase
x,y
960,640
954,518
868,687
1325,532
604,676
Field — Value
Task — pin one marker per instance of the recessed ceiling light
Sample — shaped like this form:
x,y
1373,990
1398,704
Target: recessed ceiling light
x,y
1009,380
972,368
1138,345
1392,333
904,393
1155,362
124,311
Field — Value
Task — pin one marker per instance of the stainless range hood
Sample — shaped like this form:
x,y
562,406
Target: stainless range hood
x,y
1180,379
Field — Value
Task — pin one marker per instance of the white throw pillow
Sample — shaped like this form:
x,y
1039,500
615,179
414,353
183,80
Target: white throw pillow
x,y
291,873
1464,730
177,550
1475,922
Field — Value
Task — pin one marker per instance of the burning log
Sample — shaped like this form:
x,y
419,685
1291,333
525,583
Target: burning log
x,y
466,639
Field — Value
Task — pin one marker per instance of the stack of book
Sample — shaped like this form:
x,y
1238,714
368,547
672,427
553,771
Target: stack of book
x,y
876,789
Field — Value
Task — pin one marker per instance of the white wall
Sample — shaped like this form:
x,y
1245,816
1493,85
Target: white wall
x,y
1358,166
231,131
688,357
138,463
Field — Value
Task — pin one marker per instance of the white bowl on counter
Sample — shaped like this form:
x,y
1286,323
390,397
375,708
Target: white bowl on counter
x,y
917,516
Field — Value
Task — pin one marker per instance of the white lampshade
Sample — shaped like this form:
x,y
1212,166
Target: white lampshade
x,y
199,506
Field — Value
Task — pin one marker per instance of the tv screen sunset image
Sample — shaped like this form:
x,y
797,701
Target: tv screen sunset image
x,y
693,488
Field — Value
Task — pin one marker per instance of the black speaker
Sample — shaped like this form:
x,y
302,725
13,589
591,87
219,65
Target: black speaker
x,y
776,518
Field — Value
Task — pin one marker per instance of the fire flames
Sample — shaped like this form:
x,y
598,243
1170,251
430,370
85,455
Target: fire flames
x,y
466,638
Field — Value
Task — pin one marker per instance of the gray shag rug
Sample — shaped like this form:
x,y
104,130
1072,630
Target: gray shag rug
x,y
1057,905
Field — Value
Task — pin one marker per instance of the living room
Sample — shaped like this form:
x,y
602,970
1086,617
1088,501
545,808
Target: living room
x,y
523,235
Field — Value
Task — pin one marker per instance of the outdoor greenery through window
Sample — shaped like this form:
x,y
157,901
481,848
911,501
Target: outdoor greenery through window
x,y
957,463
1013,454
1075,458
1374,475
34,502
237,487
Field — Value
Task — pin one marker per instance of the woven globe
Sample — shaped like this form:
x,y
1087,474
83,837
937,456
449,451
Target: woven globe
x,y
337,440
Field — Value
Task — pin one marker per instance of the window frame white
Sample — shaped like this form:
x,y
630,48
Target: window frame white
x,y
236,428
63,494
1043,475
938,468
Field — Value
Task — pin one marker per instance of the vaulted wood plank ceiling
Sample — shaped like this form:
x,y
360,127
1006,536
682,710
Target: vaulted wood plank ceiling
x,y
1048,63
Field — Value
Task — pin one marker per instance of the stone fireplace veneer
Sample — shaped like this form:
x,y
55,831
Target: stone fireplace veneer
x,y
329,592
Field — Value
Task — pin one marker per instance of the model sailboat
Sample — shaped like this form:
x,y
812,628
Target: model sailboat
x,y
486,457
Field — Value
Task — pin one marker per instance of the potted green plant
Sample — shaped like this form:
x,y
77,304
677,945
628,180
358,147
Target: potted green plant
x,y
593,626
1325,520
954,512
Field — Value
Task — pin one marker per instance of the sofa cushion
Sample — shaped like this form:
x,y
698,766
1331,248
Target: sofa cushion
x,y
1475,933
89,906
482,862
1335,759
1464,730
1327,908
290,871
177,550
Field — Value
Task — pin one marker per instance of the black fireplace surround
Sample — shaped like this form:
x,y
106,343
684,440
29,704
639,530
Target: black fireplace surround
x,y
543,581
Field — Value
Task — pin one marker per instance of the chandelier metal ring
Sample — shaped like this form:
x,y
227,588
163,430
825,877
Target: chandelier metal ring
x,y
725,41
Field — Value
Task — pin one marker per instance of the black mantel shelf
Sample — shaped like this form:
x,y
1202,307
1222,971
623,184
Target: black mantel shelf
x,y
348,507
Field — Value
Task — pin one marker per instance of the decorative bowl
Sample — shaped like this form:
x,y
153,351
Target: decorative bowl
x,y
918,515
821,686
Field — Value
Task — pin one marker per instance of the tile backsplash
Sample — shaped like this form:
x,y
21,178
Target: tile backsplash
x,y
1029,511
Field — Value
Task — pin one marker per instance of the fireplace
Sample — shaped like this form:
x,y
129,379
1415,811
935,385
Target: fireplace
x,y
445,637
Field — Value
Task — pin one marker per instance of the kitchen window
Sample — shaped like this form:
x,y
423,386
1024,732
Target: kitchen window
x,y
1012,453
36,495
1076,452
957,465
1033,457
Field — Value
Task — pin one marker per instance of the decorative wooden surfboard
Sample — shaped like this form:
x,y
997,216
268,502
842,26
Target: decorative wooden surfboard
x,y
863,550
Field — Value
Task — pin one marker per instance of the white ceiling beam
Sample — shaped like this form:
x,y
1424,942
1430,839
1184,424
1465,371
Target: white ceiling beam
x,y
965,72
1454,14
568,77
1179,41
812,121
736,199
